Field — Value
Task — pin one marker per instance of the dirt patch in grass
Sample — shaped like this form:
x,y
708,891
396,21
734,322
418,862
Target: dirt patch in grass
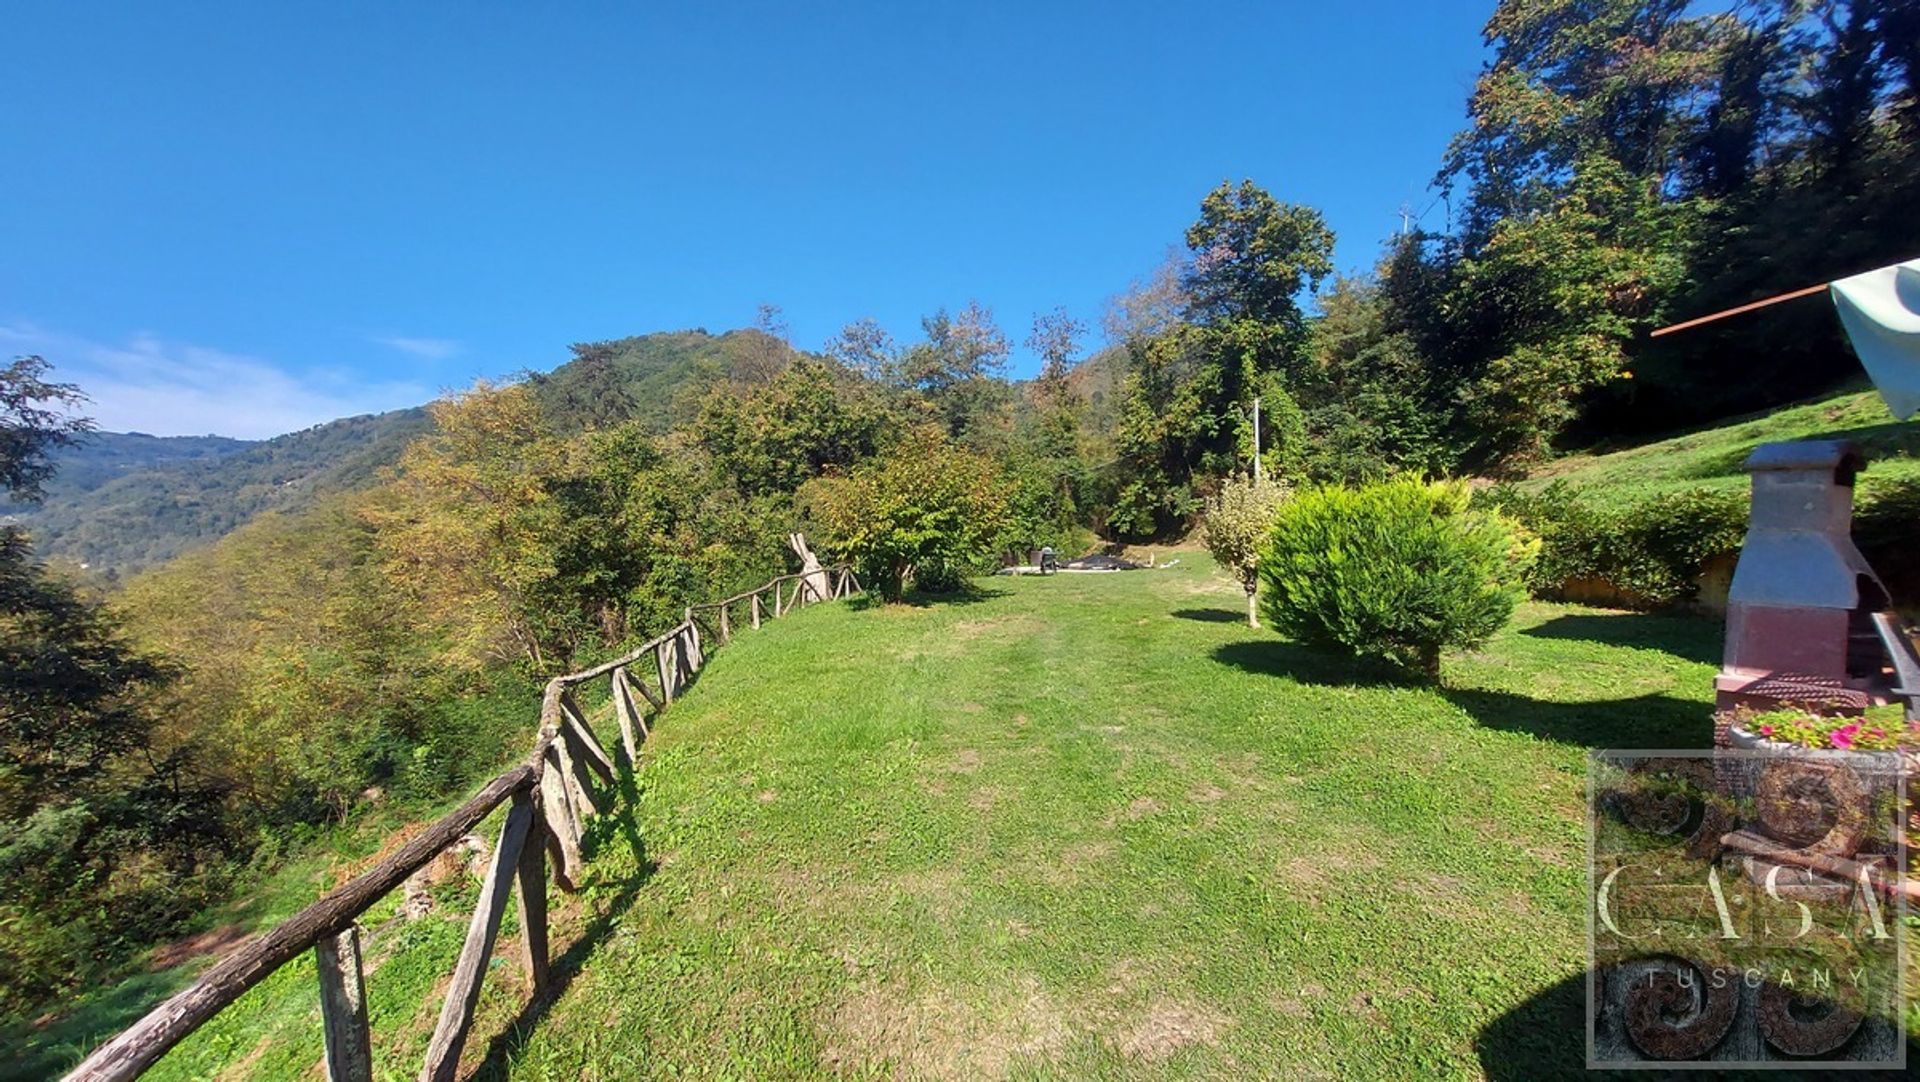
x,y
942,1033
1166,1028
966,761
214,941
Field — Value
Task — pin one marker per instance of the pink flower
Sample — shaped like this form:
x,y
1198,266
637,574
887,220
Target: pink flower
x,y
1766,730
1842,737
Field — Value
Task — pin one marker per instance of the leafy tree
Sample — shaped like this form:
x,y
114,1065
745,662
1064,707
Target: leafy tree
x,y
87,800
35,419
1252,257
925,504
1238,519
472,525
957,368
594,394
768,349
1401,569
1558,296
1368,402
1190,388
793,428
866,348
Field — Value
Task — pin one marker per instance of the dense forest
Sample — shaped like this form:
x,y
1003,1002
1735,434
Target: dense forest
x,y
388,590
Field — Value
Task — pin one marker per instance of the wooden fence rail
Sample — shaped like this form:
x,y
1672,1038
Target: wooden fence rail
x,y
550,796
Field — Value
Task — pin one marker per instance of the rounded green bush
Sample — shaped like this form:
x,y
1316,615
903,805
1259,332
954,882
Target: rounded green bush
x,y
1402,569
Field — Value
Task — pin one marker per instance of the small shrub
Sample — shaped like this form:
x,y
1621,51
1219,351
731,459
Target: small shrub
x,y
1402,569
1237,520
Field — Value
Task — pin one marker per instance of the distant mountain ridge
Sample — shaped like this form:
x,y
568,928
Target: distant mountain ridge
x,y
123,501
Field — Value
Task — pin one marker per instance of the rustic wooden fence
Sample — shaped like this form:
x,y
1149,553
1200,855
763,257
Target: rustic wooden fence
x,y
567,777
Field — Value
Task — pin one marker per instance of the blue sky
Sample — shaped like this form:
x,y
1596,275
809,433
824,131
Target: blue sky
x,y
248,218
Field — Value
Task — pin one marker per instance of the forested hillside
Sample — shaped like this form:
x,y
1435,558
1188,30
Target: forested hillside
x,y
105,457
121,502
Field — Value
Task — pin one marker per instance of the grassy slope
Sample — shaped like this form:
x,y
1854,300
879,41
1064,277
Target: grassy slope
x,y
1712,457
1084,825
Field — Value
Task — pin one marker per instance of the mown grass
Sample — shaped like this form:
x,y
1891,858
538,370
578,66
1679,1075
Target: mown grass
x,y
1075,826
1080,826
1712,458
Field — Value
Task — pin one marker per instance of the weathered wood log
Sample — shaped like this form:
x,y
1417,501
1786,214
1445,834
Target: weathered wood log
x,y
756,611
563,830
811,572
667,669
635,683
638,683
587,745
530,876
343,1006
606,667
579,793
136,1049
627,712
456,1014
696,654
726,632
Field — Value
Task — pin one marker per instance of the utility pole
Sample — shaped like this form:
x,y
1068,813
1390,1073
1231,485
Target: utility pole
x,y
1256,437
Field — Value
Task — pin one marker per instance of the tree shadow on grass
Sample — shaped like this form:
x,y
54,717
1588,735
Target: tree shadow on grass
x,y
1305,665
616,826
1691,637
1544,1037
1643,721
1211,616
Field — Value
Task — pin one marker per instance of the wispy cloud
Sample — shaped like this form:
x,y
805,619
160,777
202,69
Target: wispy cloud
x,y
432,349
148,384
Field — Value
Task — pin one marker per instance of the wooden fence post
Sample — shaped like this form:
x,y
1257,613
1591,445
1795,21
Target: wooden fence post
x,y
666,672
755,598
531,878
343,1006
456,1014
578,795
563,828
726,632
628,714
574,722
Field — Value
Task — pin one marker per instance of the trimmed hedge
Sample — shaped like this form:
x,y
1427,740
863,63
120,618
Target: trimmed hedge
x,y
1657,550
1654,550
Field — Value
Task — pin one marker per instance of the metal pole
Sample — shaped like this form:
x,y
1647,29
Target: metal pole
x,y
1256,437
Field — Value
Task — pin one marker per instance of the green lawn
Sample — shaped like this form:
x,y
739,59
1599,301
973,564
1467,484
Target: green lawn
x,y
1078,826
1712,457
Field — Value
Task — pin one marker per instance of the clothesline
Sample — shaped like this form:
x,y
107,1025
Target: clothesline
x,y
1880,311
1807,291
